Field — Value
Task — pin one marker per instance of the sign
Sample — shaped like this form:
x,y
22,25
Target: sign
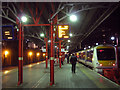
x,y
7,32
63,31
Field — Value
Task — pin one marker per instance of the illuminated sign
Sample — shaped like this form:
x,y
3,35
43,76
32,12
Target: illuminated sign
x,y
7,32
63,31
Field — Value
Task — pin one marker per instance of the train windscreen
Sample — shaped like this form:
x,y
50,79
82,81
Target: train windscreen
x,y
106,54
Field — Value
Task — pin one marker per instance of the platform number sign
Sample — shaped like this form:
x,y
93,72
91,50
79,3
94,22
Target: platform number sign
x,y
7,32
63,31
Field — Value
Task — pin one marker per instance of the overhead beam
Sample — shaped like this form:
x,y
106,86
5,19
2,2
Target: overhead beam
x,y
37,25
80,11
34,37
14,8
8,19
31,13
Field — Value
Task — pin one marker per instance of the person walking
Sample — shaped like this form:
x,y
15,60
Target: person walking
x,y
73,61
68,58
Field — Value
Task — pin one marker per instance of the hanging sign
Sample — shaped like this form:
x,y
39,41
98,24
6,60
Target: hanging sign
x,y
7,32
63,31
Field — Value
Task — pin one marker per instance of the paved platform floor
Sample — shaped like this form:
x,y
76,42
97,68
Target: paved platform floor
x,y
37,76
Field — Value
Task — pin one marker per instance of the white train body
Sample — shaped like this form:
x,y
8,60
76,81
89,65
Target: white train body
x,y
99,57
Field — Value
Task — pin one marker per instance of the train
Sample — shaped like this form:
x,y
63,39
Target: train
x,y
99,57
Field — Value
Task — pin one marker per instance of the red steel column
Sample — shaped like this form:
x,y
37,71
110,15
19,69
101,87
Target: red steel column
x,y
22,52
20,58
60,53
117,58
57,54
46,52
51,58
117,52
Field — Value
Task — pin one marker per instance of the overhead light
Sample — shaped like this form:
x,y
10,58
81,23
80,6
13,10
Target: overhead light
x,y
112,38
73,18
42,34
67,47
88,46
49,41
70,34
68,40
24,18
96,43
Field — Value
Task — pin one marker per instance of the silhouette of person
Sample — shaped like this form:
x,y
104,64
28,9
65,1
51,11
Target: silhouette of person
x,y
73,61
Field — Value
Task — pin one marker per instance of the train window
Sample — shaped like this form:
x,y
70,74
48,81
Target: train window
x,y
106,54
89,55
82,55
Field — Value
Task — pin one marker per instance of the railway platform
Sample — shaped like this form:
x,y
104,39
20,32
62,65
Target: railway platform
x,y
37,76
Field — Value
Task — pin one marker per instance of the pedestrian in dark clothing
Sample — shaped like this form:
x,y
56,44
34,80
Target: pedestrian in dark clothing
x,y
68,58
73,61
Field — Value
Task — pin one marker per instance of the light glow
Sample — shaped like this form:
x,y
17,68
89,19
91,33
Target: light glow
x,y
30,65
38,54
6,72
49,41
70,34
38,63
113,64
24,19
6,53
42,34
112,38
73,18
68,40
30,53
88,46
43,54
96,43
100,64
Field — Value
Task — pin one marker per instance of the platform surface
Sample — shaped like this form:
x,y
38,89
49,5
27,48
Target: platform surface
x,y
37,76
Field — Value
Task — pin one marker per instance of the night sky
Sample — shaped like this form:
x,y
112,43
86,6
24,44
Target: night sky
x,y
105,30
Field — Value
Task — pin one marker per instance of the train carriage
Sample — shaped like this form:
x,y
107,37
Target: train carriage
x,y
99,57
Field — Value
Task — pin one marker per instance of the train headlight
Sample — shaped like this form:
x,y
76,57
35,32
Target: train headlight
x,y
113,64
100,64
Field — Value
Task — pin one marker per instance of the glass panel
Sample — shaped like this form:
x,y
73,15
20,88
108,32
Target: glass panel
x,y
106,54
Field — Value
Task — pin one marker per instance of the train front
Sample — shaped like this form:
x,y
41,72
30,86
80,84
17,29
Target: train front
x,y
106,57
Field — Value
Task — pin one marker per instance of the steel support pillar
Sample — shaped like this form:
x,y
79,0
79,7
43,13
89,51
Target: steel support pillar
x,y
60,53
20,58
117,42
51,58
46,52
57,54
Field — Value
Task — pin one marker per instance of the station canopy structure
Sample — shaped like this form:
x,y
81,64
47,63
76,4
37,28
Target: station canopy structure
x,y
90,15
